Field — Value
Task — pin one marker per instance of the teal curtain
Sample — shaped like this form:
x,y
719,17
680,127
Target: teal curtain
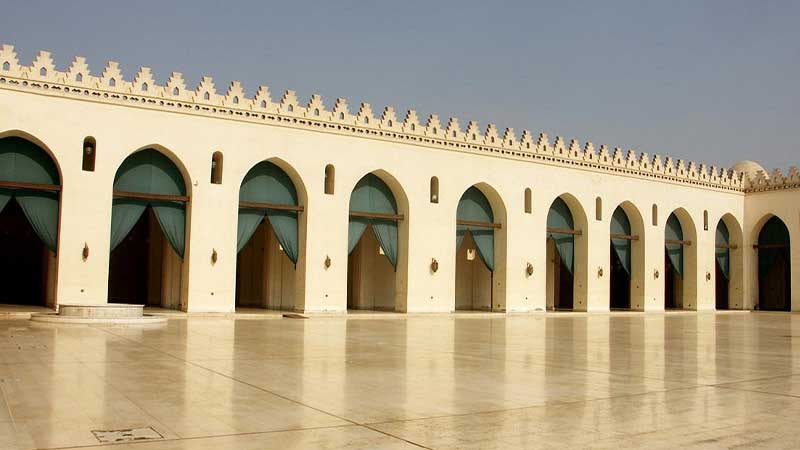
x,y
284,224
5,197
372,195
475,207
149,172
774,232
41,209
125,212
723,254
355,231
560,216
622,247
674,251
172,218
268,183
25,162
249,220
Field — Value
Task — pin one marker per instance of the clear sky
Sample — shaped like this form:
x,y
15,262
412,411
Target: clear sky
x,y
711,81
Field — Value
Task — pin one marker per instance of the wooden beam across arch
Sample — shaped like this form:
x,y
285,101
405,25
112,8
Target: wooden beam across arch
x,y
471,223
274,206
30,186
145,196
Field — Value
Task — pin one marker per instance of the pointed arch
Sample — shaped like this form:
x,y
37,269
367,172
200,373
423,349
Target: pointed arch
x,y
627,243
680,243
480,215
729,263
567,250
379,203
774,264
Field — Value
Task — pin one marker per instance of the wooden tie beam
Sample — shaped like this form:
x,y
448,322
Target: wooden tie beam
x,y
470,223
31,186
564,231
257,205
368,215
627,237
144,196
677,241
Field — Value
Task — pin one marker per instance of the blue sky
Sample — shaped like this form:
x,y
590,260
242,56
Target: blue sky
x,y
711,81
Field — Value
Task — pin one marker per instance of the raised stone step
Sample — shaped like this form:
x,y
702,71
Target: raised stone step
x,y
111,313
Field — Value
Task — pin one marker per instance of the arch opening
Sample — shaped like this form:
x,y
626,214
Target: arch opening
x,y
774,266
566,252
680,263
377,239
620,263
30,186
475,251
268,239
148,232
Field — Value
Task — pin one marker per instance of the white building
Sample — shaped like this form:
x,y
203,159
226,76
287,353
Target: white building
x,y
115,189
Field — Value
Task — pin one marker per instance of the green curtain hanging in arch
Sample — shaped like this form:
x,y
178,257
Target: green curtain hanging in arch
x,y
722,251
372,195
674,232
268,183
149,172
622,247
22,161
774,233
560,216
474,207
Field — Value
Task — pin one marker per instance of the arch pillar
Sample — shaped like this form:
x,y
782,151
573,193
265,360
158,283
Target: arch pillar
x,y
597,258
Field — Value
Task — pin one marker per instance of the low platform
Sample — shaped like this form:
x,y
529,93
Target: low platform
x,y
103,314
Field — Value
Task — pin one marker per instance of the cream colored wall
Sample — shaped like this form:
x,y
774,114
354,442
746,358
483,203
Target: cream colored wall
x,y
427,232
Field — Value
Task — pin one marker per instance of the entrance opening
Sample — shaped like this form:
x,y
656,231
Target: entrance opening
x,y
29,210
621,253
372,246
268,239
142,267
25,260
673,263
475,242
148,226
774,267
722,266
561,234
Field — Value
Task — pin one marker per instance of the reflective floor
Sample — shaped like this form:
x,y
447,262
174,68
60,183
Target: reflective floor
x,y
691,380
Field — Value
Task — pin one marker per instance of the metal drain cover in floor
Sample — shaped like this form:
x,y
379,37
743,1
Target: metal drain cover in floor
x,y
126,435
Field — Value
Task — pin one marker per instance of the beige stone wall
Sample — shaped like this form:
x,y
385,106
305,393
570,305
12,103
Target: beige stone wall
x,y
60,125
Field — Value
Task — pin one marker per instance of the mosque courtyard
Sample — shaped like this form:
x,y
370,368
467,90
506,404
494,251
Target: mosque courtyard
x,y
391,381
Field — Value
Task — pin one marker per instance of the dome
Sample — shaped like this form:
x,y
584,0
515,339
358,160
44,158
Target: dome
x,y
749,168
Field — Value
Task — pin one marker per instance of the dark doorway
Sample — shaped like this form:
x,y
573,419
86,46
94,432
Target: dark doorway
x,y
563,284
671,278
722,288
23,264
774,268
620,282
135,268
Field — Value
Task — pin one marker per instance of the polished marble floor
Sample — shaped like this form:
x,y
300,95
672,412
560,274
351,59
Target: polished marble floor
x,y
621,380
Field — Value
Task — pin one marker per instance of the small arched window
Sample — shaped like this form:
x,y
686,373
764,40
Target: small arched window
x,y
79,77
175,91
236,100
89,154
330,178
43,72
390,124
528,201
6,66
435,131
316,111
216,168
598,208
413,127
290,108
206,96
655,215
366,119
263,104
434,190
144,87
341,116
112,82
705,220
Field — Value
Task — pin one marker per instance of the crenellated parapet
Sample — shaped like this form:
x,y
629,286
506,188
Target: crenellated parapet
x,y
232,103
